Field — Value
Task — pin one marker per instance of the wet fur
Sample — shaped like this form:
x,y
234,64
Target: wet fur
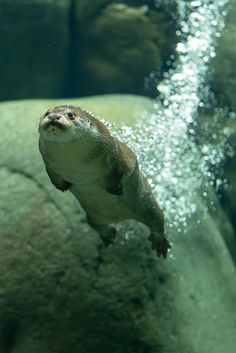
x,y
102,172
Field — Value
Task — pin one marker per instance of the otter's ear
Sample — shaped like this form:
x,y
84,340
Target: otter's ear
x,y
57,181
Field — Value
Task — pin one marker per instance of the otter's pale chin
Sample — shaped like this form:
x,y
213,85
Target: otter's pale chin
x,y
53,133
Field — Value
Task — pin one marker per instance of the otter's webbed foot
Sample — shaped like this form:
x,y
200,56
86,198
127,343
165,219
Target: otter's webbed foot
x,y
161,245
107,234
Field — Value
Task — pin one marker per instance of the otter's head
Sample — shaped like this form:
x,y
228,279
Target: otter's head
x,y
66,123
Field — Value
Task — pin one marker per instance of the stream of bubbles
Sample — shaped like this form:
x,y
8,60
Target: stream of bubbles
x,y
165,142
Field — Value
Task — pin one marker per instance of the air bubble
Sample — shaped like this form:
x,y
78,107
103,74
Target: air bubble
x,y
164,141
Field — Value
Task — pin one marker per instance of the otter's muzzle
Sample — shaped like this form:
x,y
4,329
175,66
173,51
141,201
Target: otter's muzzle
x,y
53,118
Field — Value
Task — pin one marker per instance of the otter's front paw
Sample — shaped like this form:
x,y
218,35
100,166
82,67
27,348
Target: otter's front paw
x,y
162,246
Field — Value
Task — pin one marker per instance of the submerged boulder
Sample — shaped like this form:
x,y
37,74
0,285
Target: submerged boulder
x,y
229,196
224,76
64,48
120,45
62,291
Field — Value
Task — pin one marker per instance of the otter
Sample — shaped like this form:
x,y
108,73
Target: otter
x,y
102,172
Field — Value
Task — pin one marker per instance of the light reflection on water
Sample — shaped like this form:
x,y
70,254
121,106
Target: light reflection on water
x,y
165,142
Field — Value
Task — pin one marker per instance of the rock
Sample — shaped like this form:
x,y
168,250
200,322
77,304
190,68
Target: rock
x,y
229,196
61,291
223,84
229,200
69,48
218,128
86,11
224,77
119,45
34,48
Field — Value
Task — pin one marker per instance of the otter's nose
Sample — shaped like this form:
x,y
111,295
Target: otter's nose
x,y
53,117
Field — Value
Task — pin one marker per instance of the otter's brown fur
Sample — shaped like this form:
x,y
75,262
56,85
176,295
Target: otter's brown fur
x,y
103,173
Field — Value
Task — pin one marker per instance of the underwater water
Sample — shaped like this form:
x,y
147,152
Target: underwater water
x,y
61,289
176,165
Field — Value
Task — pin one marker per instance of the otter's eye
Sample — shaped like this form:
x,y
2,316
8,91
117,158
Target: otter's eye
x,y
70,116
